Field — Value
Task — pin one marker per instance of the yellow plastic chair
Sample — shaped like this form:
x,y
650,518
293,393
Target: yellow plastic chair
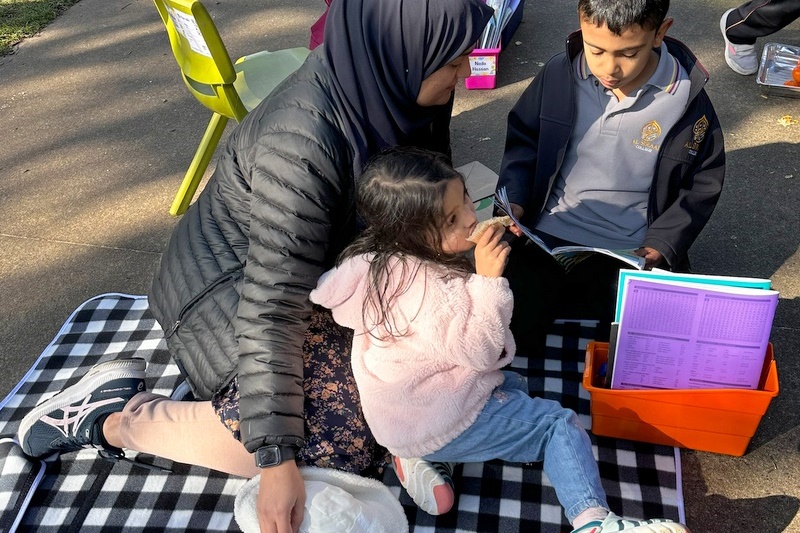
x,y
229,90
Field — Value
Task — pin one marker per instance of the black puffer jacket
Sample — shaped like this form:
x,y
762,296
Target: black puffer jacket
x,y
230,304
232,291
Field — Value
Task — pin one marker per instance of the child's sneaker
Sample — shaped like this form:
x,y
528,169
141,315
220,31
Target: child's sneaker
x,y
430,485
72,419
742,58
614,523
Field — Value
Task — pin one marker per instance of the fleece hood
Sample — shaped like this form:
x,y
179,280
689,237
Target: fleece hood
x,y
342,291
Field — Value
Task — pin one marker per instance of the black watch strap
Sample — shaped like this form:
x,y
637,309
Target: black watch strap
x,y
273,455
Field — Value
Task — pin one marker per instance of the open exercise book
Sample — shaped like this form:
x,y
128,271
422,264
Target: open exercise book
x,y
567,256
688,331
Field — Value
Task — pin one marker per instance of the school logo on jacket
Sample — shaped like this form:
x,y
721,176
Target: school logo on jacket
x,y
698,134
650,132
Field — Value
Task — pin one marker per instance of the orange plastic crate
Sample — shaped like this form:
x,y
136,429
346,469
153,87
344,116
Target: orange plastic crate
x,y
712,420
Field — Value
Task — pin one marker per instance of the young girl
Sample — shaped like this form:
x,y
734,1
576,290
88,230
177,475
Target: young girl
x,y
431,337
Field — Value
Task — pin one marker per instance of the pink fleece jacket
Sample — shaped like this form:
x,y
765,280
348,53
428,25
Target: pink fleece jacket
x,y
422,390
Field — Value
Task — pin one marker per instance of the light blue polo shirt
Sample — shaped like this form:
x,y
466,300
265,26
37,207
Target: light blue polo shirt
x,y
600,195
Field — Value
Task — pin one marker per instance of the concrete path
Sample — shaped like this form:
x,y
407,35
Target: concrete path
x,y
97,129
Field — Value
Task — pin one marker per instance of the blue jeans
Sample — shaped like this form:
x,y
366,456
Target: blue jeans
x,y
515,427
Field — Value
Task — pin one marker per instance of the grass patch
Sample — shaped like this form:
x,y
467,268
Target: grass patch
x,y
23,18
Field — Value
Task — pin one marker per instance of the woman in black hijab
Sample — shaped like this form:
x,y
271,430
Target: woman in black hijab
x,y
232,289
379,70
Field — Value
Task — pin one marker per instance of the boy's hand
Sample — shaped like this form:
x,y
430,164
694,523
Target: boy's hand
x,y
491,253
516,210
652,257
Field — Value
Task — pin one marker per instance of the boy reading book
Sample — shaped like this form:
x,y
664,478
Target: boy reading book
x,y
615,144
568,256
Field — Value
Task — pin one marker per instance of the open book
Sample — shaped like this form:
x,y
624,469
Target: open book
x,y
567,256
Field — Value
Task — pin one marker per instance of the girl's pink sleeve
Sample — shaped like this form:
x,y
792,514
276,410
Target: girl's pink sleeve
x,y
478,331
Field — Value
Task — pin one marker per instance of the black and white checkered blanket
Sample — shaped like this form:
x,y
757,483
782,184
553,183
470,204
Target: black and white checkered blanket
x,y
83,492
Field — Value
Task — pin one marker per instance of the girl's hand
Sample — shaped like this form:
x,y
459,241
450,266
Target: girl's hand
x,y
281,499
652,257
491,253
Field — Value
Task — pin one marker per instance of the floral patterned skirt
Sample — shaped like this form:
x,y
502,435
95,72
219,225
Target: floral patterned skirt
x,y
336,433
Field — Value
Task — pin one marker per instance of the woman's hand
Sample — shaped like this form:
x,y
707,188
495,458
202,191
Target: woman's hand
x,y
652,257
491,253
281,498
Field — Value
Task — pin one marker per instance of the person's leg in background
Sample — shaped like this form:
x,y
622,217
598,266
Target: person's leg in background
x,y
743,25
760,18
536,280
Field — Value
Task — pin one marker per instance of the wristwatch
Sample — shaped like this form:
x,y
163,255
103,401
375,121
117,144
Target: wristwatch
x,y
273,455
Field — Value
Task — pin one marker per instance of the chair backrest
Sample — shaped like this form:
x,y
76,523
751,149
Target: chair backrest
x,y
201,55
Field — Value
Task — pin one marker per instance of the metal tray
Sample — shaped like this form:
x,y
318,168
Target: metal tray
x,y
777,62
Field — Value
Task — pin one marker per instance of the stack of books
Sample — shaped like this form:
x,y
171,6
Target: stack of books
x,y
503,10
689,331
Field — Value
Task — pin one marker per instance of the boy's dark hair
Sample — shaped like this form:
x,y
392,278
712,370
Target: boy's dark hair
x,y
618,15
400,202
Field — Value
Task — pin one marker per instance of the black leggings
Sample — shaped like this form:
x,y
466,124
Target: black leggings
x,y
759,18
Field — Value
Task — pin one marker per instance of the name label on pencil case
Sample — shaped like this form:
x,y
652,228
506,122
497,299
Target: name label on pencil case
x,y
483,65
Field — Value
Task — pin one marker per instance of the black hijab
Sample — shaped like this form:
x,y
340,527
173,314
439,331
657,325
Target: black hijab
x,y
381,50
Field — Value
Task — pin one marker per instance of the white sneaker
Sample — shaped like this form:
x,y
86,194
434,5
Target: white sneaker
x,y
430,485
742,58
614,523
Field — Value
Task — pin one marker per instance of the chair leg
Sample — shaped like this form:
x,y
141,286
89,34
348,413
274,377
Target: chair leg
x,y
199,164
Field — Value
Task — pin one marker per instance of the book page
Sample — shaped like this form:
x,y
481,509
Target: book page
x,y
501,201
691,336
626,256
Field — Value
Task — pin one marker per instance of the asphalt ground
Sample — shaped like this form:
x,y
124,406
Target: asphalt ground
x,y
97,129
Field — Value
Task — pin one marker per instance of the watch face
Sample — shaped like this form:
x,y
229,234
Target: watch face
x,y
268,456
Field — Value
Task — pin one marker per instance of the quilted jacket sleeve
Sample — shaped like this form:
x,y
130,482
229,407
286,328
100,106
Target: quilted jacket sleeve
x,y
300,174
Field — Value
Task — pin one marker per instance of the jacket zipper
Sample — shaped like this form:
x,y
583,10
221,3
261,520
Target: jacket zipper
x,y
174,328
